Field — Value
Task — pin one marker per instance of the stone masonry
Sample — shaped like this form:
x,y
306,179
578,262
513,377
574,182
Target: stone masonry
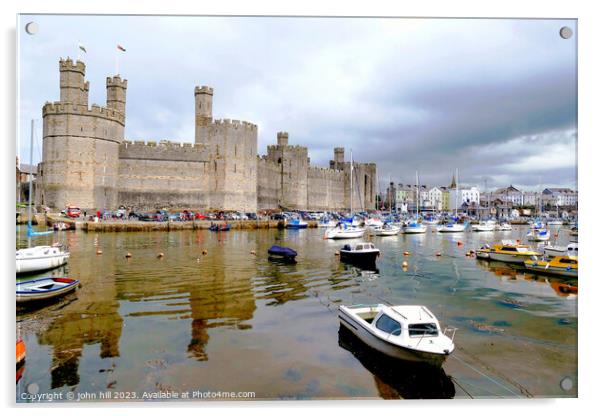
x,y
87,162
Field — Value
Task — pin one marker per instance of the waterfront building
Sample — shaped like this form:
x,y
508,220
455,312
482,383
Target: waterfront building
x,y
469,196
444,198
510,195
559,197
531,198
87,161
435,197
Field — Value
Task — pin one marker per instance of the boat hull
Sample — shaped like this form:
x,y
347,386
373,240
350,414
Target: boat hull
x,y
25,296
391,350
37,264
509,258
453,229
359,259
413,230
344,234
556,271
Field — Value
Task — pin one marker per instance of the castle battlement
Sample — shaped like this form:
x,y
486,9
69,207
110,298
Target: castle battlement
x,y
58,107
290,148
69,65
116,81
167,144
325,173
234,123
203,90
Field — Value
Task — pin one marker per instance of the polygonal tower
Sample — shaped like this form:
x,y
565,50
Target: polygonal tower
x,y
80,160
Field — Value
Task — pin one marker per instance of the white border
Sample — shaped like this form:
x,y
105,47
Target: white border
x,y
589,133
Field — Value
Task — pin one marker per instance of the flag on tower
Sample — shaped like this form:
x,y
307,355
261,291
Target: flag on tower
x,y
82,48
121,48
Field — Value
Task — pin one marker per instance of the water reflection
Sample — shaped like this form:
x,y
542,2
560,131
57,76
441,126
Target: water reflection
x,y
396,378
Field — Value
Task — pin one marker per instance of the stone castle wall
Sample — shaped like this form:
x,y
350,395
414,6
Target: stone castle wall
x,y
268,183
326,189
86,161
163,175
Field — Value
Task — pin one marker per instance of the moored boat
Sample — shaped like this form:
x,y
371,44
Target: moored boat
x,y
510,252
483,252
503,227
39,258
484,226
296,223
571,249
360,254
538,234
413,227
385,230
566,266
344,230
451,227
282,253
220,227
44,289
408,332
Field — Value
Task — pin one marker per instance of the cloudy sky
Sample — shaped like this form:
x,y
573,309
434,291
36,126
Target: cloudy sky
x,y
496,99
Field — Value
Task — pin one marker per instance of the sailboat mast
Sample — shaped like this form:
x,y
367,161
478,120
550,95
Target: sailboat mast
x,y
30,176
351,189
417,196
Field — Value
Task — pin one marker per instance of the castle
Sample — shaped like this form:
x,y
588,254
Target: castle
x,y
87,162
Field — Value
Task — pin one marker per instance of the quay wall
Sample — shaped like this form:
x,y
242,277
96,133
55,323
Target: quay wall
x,y
123,226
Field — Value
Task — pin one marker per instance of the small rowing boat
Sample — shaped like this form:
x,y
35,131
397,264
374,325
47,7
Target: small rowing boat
x,y
361,254
45,288
220,227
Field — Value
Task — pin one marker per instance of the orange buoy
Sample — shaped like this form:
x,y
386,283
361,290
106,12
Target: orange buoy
x,y
253,252
337,253
204,252
160,255
438,254
404,264
98,251
460,243
406,253
128,255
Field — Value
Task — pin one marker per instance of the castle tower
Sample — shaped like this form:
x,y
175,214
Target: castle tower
x,y
116,89
282,138
80,157
203,111
74,89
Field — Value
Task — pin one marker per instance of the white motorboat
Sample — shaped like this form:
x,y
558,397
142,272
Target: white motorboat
x,y
503,227
386,230
538,234
344,230
40,258
571,249
484,226
451,227
408,332
413,227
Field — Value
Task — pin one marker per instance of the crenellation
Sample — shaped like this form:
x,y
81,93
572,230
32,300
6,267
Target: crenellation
x,y
69,65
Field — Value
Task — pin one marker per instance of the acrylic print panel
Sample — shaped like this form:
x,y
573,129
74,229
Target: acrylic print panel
x,y
203,174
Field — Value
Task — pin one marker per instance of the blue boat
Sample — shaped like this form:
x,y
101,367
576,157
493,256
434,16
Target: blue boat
x,y
282,253
296,223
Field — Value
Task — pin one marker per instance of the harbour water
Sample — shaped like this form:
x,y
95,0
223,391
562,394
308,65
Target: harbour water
x,y
232,321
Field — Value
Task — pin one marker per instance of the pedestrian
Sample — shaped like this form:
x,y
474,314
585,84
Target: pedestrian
x,y
98,215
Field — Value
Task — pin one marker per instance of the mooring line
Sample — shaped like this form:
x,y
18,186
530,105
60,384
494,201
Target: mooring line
x,y
485,375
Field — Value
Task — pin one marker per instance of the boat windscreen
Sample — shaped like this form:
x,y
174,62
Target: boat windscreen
x,y
429,329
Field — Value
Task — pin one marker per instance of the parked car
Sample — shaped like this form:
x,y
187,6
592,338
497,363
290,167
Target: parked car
x,y
251,216
199,216
73,212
